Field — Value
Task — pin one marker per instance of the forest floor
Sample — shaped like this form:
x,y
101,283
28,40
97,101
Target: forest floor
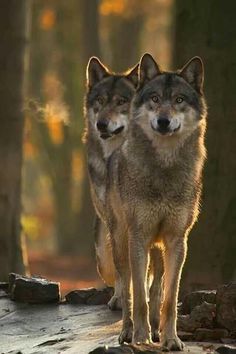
x,y
63,328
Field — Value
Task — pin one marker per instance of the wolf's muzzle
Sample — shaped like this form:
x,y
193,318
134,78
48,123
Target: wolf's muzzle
x,y
105,132
163,125
102,125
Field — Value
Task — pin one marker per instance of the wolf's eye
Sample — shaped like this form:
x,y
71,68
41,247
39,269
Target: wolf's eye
x,y
121,101
179,99
100,100
155,98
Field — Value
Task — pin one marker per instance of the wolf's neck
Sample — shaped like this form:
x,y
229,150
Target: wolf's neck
x,y
164,152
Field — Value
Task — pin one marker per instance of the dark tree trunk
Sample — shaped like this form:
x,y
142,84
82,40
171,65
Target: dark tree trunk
x,y
13,19
89,39
207,29
124,39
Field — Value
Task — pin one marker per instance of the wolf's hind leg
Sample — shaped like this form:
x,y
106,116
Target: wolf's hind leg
x,y
115,303
104,257
121,261
174,257
156,291
105,264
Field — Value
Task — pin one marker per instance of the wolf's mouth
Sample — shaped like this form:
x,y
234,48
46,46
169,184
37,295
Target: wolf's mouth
x,y
118,130
105,135
176,129
166,131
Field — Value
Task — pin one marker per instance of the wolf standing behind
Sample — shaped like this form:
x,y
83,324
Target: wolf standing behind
x,y
107,104
155,181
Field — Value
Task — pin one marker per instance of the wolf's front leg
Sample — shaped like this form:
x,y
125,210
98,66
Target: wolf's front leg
x,y
156,291
174,257
139,259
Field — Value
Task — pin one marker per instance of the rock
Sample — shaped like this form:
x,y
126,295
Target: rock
x,y
226,306
90,296
127,349
196,298
12,277
207,335
79,297
228,341
112,350
101,297
186,336
202,316
4,286
225,349
233,334
3,293
186,324
35,290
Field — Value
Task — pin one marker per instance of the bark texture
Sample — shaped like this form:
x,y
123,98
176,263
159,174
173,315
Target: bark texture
x,y
13,20
207,29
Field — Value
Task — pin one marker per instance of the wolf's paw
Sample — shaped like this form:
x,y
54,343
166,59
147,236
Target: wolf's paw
x,y
155,335
172,344
115,303
126,333
142,336
155,330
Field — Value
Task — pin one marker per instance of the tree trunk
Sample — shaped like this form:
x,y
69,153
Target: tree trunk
x,y
89,39
13,19
207,29
124,39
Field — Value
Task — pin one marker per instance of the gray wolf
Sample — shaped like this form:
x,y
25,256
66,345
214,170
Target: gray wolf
x,y
153,192
107,105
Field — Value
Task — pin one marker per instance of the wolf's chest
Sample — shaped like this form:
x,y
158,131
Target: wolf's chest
x,y
165,187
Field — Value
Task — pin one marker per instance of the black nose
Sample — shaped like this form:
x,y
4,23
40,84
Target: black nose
x,y
163,123
102,125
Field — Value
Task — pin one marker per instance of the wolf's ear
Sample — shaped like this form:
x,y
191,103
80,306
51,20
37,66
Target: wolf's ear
x,y
132,75
95,72
148,69
193,73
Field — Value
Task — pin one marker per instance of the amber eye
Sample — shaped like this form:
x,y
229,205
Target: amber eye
x,y
100,100
179,99
121,101
155,98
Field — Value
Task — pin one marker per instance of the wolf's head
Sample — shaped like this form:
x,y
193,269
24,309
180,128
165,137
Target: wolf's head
x,y
108,98
169,104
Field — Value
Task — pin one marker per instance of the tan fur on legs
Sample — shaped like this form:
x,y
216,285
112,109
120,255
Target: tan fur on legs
x,y
156,291
105,264
121,261
139,261
174,257
116,303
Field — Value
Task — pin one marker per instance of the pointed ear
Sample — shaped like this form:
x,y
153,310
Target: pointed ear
x,y
95,72
193,73
148,69
132,75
